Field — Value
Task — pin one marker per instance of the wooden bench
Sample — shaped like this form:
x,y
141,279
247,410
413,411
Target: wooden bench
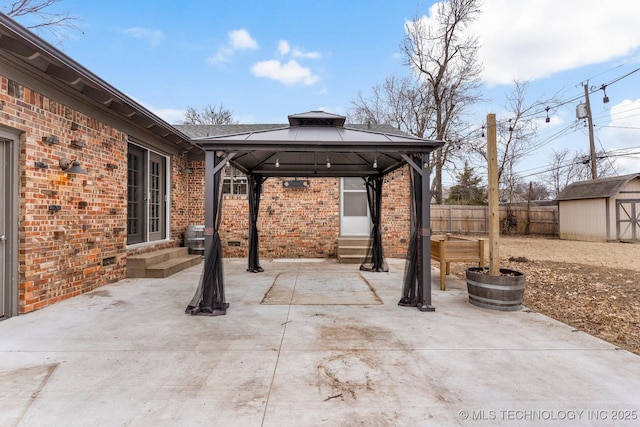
x,y
446,249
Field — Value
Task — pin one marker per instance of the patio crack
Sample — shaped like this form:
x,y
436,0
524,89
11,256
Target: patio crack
x,y
284,331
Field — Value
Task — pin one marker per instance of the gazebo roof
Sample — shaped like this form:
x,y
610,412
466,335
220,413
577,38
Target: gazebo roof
x,y
318,144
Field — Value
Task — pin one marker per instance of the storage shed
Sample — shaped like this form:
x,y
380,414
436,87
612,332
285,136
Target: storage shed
x,y
601,209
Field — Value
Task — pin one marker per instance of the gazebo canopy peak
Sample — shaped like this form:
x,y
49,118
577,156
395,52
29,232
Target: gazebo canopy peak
x,y
316,118
315,140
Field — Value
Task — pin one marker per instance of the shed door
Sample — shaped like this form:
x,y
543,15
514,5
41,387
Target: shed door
x,y
628,219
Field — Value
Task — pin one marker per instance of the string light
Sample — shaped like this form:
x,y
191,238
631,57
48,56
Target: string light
x,y
605,99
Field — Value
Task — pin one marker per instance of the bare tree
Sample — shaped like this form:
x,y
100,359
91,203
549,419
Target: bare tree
x,y
568,167
534,190
445,58
561,172
402,102
516,134
208,115
43,19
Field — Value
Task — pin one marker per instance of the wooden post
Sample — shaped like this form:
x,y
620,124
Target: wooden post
x,y
494,204
527,228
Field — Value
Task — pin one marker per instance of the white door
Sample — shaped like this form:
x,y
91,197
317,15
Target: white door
x,y
354,209
628,216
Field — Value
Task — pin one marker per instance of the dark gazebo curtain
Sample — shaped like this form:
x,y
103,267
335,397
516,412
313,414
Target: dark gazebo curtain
x,y
412,272
209,299
375,253
414,276
255,189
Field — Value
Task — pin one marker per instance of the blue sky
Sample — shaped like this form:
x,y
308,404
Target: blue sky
x,y
264,60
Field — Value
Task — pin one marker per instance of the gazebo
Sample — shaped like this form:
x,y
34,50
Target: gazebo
x,y
317,144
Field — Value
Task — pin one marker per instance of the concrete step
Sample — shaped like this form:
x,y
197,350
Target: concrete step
x,y
351,259
352,250
162,263
172,266
353,241
155,257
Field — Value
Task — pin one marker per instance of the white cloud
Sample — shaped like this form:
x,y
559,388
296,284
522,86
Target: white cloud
x,y
528,40
154,37
296,53
288,73
284,47
536,38
238,40
241,39
621,135
624,125
170,115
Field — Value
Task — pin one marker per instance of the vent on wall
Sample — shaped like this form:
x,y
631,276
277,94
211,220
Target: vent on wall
x,y
108,261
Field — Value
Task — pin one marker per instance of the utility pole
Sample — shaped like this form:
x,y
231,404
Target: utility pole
x,y
592,145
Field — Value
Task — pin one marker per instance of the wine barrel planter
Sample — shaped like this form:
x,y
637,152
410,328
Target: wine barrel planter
x,y
504,292
195,239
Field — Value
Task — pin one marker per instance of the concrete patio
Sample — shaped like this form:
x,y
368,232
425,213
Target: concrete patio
x,y
306,343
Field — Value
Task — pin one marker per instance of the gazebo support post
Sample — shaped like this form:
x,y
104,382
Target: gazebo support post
x,y
417,282
209,299
424,209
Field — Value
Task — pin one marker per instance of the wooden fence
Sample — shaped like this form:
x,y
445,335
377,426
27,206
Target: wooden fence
x,y
536,220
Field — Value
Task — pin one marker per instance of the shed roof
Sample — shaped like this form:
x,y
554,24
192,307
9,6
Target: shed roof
x,y
313,144
596,188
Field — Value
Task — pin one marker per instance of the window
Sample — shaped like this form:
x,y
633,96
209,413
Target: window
x,y
235,182
146,195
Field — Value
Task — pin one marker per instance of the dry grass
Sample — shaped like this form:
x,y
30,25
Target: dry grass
x,y
594,287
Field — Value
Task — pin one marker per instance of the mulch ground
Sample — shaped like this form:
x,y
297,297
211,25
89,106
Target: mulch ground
x,y
600,301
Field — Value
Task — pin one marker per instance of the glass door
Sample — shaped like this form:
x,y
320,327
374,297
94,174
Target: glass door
x,y
3,225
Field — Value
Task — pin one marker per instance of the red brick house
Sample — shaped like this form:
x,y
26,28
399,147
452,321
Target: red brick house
x,y
66,233
92,181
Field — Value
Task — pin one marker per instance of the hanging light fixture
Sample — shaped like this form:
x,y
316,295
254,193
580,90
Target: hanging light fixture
x,y
277,163
547,120
375,163
606,98
328,163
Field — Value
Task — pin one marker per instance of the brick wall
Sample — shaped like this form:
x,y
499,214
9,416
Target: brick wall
x,y
395,213
303,223
83,245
